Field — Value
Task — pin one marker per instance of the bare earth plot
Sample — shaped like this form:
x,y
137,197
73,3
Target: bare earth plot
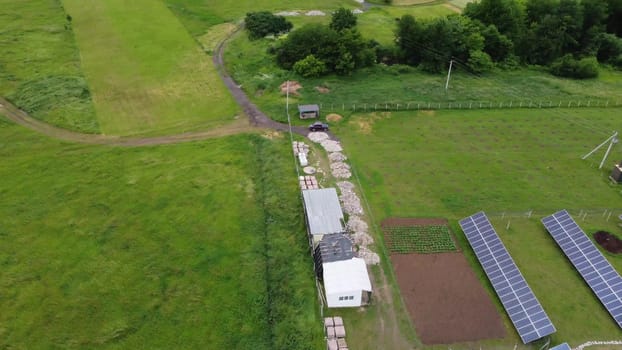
x,y
147,76
444,298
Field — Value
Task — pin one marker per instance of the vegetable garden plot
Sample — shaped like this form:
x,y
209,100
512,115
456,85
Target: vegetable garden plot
x,y
404,236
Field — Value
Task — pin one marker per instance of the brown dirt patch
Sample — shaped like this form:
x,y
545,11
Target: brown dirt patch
x,y
445,300
293,86
609,242
333,117
322,89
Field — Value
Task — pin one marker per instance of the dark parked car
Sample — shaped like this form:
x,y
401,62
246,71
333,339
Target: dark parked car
x,y
318,126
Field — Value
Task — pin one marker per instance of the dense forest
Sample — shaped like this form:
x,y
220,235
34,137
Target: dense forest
x,y
569,37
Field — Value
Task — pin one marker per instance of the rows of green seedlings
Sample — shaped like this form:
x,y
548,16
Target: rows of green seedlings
x,y
419,239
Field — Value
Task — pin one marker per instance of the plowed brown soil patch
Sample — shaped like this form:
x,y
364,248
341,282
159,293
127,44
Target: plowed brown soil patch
x,y
445,300
608,241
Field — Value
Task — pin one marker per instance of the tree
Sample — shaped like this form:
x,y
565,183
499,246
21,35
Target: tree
x,y
506,15
342,19
496,45
409,36
310,67
311,39
260,24
609,48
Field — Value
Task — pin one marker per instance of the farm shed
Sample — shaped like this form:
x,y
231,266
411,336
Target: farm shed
x,y
323,213
333,247
346,283
309,111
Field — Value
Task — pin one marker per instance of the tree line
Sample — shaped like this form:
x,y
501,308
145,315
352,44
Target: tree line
x,y
570,37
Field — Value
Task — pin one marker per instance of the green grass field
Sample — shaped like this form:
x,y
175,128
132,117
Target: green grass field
x,y
40,65
146,76
180,246
455,163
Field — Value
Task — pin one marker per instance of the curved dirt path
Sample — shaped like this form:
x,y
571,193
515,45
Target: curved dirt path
x,y
255,116
22,118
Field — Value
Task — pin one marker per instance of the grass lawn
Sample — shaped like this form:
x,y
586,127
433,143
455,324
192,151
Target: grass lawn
x,y
179,246
454,163
146,76
40,65
380,23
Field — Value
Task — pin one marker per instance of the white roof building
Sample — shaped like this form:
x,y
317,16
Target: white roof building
x,y
346,283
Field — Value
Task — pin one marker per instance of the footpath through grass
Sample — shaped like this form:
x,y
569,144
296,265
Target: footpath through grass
x,y
147,74
454,163
198,245
40,65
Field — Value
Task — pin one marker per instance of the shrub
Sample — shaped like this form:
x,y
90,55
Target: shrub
x,y
609,47
569,67
342,19
480,62
310,67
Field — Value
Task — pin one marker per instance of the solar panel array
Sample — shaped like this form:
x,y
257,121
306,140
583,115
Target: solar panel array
x,y
588,260
526,313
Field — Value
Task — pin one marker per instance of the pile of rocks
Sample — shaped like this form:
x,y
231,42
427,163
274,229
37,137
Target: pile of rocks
x,y
350,201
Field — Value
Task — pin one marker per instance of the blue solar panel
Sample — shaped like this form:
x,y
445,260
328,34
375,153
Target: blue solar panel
x,y
562,346
526,313
597,272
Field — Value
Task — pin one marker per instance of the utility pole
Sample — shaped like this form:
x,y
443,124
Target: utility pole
x,y
451,63
613,139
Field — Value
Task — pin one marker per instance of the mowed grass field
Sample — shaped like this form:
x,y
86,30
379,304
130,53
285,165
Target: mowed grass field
x,y
454,163
40,65
192,246
147,74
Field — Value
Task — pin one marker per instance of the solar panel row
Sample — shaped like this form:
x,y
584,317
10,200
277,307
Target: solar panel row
x,y
526,313
597,272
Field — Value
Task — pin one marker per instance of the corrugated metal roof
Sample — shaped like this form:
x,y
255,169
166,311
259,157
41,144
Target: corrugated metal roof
x,y
335,247
308,108
324,214
346,276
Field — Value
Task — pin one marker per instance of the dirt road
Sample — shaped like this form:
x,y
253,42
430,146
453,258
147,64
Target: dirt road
x,y
256,121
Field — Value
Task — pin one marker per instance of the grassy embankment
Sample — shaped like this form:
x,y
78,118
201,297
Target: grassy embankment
x,y
197,245
146,76
40,65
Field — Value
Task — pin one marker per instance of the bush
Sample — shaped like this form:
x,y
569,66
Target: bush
x,y
310,67
609,47
569,67
342,19
260,24
480,62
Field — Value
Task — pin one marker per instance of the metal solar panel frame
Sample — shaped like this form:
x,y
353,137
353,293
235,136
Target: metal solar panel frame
x,y
519,301
591,264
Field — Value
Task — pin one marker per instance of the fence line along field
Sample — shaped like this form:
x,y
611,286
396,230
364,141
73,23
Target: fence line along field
x,y
146,76
453,163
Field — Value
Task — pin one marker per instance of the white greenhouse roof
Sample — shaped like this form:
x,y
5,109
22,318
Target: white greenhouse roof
x,y
346,276
324,213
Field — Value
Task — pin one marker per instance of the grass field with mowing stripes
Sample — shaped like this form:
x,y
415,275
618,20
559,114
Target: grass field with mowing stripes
x,y
40,65
147,76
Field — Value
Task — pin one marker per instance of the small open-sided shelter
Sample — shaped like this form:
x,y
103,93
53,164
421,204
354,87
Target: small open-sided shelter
x,y
309,111
323,213
346,283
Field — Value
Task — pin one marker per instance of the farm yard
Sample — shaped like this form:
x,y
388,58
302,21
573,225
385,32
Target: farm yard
x,y
118,246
